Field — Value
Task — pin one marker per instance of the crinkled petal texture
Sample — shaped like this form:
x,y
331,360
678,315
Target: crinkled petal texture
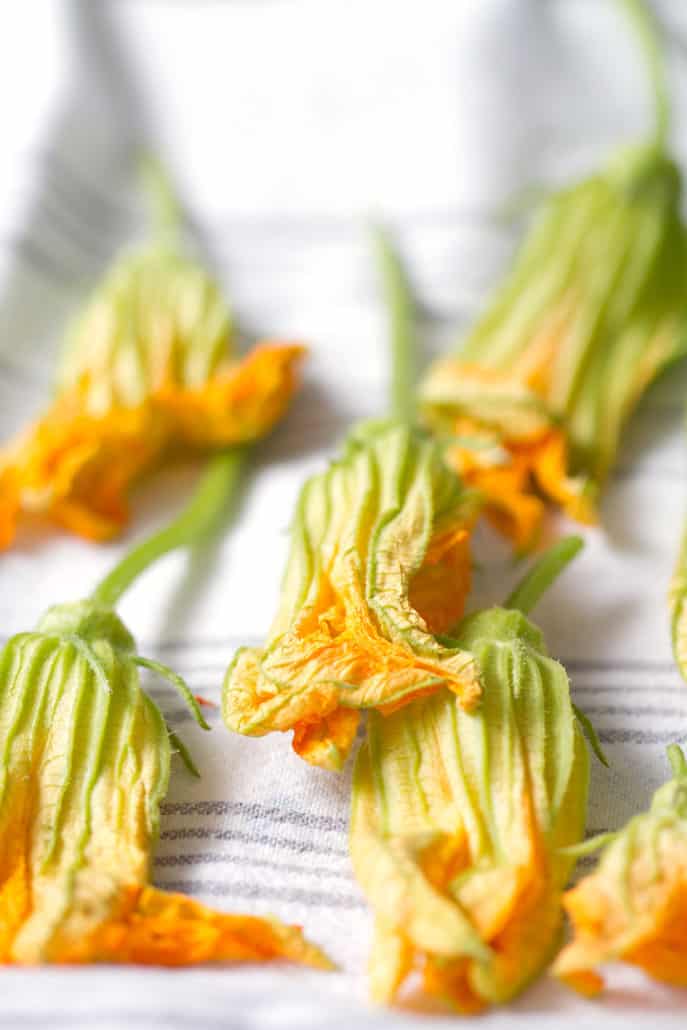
x,y
157,318
379,563
147,370
84,765
592,311
633,907
457,819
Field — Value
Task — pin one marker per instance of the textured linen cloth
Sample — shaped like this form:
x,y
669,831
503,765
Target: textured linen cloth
x,y
285,123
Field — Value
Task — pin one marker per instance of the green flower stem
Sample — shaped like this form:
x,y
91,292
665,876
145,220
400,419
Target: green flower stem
x,y
649,38
543,573
588,847
401,313
200,516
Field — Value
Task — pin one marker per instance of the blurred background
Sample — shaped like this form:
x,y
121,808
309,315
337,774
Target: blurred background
x,y
285,121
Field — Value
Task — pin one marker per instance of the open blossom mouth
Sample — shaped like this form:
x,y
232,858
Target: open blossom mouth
x,y
518,481
77,468
508,447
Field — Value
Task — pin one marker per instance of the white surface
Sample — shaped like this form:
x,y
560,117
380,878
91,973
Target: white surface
x,y
285,121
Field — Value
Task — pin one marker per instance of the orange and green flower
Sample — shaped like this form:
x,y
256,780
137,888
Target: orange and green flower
x,y
532,407
379,567
379,564
633,907
84,765
149,368
459,818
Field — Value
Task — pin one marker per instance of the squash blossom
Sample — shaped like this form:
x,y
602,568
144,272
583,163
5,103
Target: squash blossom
x,y
379,564
147,368
593,310
533,405
633,907
458,819
84,765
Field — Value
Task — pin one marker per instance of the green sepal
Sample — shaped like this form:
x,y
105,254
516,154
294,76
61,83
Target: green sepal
x,y
184,754
592,736
177,681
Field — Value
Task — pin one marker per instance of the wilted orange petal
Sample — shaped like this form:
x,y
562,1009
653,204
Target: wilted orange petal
x,y
448,981
328,741
157,928
77,469
445,858
549,466
15,892
512,486
588,984
205,701
512,508
664,954
652,934
379,564
9,506
242,403
439,588
332,656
